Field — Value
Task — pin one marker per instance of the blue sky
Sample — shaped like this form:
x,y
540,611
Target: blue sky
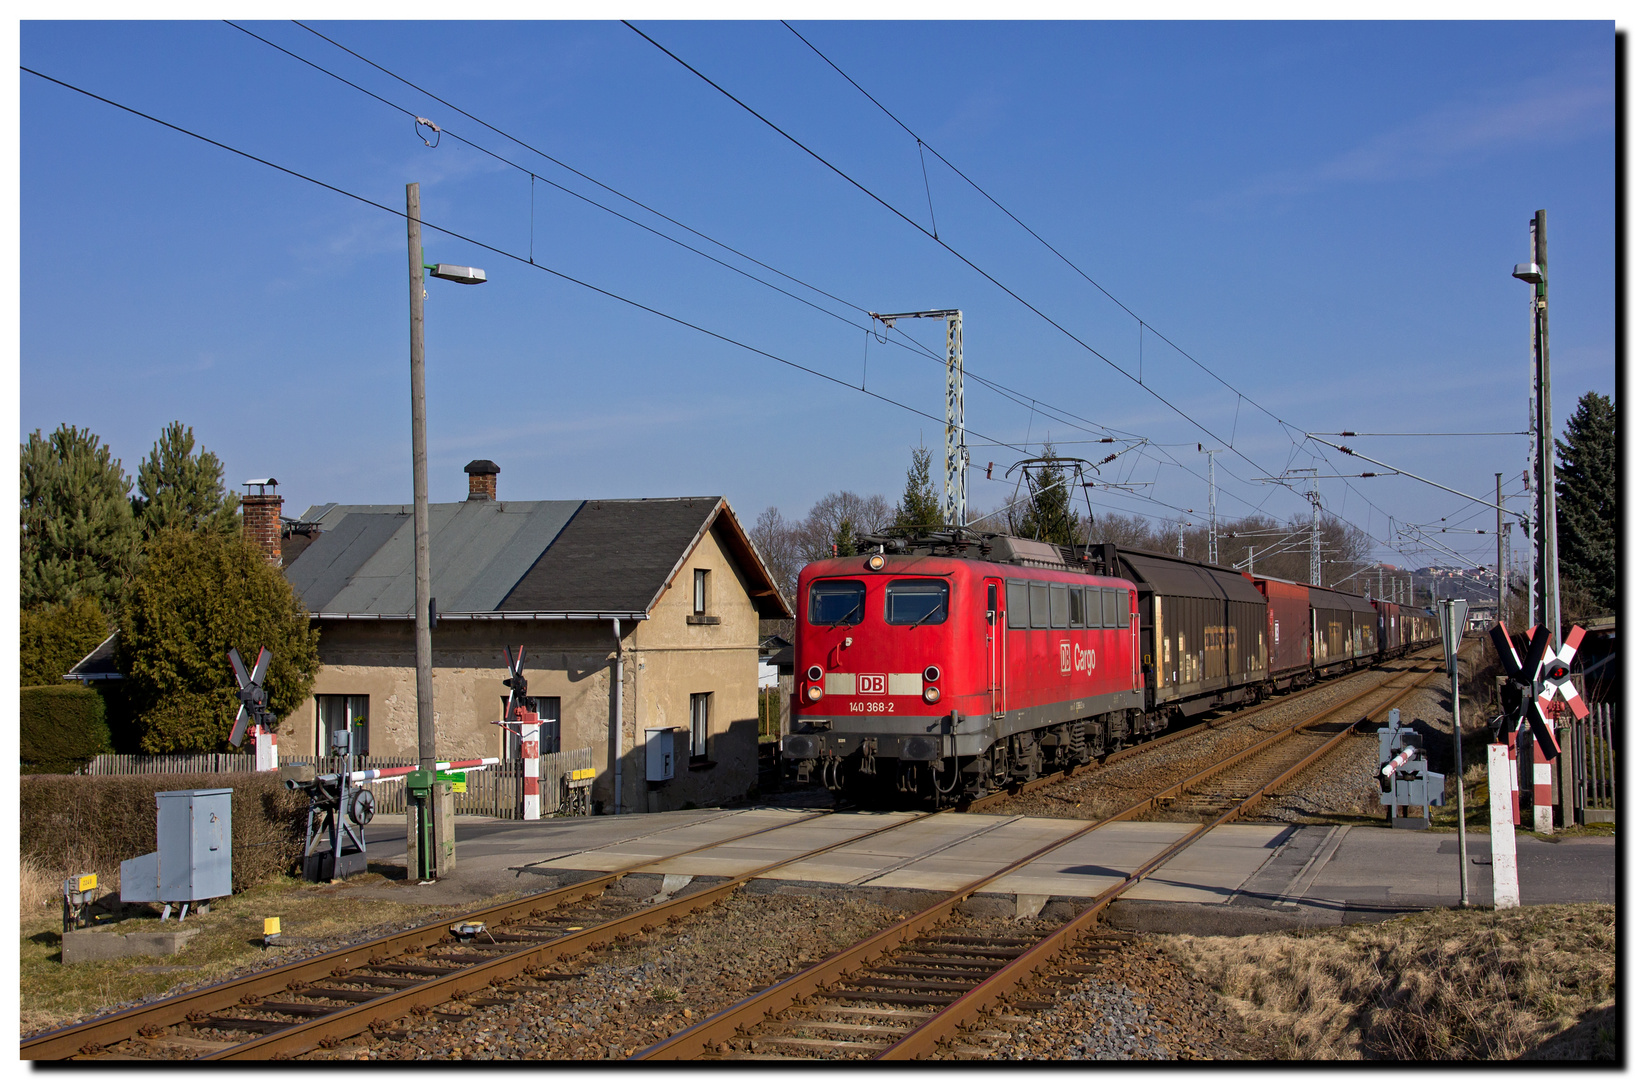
x,y
1323,215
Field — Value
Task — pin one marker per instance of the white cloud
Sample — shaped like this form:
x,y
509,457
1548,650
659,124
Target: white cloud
x,y
1545,112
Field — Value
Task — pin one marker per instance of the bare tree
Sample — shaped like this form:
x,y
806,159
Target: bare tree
x,y
775,539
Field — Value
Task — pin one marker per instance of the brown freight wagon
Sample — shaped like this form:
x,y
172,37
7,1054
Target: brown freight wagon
x,y
1288,630
1203,639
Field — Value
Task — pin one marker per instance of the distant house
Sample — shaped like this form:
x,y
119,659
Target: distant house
x,y
669,590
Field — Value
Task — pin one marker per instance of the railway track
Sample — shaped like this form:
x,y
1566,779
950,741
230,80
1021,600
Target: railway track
x,y
999,798
284,1011
900,993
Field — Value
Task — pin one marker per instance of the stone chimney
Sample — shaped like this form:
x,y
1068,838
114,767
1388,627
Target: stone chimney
x,y
484,480
263,526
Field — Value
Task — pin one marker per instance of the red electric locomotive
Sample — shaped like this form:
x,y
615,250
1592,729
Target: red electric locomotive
x,y
947,676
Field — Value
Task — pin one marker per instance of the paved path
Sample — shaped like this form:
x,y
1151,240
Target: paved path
x,y
1238,878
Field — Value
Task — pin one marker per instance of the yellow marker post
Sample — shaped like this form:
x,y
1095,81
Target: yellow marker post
x,y
270,931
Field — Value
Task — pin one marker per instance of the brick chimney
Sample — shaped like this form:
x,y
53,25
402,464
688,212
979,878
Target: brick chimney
x,y
262,524
483,480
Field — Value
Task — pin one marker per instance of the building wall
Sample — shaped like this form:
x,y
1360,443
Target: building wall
x,y
675,658
667,659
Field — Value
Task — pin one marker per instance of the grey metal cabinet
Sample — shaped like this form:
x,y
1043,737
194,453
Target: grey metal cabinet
x,y
195,857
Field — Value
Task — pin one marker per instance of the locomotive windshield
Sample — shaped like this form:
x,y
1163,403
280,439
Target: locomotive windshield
x,y
835,602
916,602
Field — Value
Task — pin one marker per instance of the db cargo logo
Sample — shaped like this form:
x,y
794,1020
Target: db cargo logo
x,y
871,684
1067,657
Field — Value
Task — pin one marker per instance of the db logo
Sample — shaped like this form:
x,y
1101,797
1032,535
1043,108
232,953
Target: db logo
x,y
871,684
1067,657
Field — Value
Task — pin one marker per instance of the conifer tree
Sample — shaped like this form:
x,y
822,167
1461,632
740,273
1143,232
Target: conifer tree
x,y
845,541
1587,500
78,538
1049,516
199,594
54,637
920,512
177,488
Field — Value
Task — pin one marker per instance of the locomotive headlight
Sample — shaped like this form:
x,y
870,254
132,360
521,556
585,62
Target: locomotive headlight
x,y
814,673
932,695
814,692
877,561
933,673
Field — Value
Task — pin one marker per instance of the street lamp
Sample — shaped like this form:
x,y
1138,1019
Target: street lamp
x,y
426,847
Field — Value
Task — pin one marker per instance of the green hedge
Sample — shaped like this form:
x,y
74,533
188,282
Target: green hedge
x,y
60,728
83,824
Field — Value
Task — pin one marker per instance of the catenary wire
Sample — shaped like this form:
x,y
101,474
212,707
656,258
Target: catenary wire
x,y
503,253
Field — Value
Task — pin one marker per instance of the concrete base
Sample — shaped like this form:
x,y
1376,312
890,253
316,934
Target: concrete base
x,y
80,946
1599,817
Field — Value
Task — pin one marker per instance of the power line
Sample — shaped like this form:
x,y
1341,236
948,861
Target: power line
x,y
1016,396
905,341
503,253
1144,325
944,245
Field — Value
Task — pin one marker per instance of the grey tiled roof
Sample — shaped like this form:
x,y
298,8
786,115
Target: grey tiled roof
x,y
605,556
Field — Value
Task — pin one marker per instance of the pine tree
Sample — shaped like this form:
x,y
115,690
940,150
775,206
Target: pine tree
x,y
920,512
78,538
1049,516
177,488
198,595
1587,500
845,541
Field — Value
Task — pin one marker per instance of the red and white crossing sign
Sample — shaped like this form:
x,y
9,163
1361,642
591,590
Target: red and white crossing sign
x,y
1556,676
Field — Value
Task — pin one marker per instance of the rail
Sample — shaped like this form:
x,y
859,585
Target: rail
x,y
714,1032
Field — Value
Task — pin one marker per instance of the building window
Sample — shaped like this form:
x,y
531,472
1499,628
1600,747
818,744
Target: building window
x,y
549,710
700,732
343,712
701,592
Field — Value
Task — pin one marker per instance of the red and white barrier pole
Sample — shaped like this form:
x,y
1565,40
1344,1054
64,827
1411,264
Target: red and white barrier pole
x,y
1389,768
528,732
266,748
398,773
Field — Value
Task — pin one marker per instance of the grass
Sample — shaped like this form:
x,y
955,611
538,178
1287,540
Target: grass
x,y
1534,983
53,994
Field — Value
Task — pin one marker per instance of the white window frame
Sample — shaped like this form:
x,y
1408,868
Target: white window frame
x,y
701,592
698,727
355,711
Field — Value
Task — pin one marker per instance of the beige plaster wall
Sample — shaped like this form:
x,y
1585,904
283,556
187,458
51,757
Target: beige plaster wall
x,y
666,660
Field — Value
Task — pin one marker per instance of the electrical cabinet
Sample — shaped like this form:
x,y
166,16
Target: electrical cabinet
x,y
195,857
661,754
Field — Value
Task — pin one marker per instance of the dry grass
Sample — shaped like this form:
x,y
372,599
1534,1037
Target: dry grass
x,y
52,995
1536,982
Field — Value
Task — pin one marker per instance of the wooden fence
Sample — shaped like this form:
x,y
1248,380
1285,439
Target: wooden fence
x,y
494,792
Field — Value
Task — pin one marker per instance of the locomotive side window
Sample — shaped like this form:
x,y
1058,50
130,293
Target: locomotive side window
x,y
835,602
1092,606
1123,607
1016,604
1109,606
1075,606
911,602
1039,604
1058,607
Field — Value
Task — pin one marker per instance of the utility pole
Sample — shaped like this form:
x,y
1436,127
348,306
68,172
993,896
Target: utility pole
x,y
955,455
1544,606
1214,554
1498,567
426,727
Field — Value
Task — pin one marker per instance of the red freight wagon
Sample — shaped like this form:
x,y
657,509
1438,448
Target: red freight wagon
x,y
1288,630
1391,626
